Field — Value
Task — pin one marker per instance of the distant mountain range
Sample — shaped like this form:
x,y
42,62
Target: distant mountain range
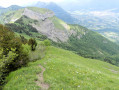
x,y
1,7
11,8
96,15
96,5
59,12
94,18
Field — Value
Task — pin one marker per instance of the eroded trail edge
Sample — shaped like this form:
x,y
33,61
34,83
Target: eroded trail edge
x,y
40,82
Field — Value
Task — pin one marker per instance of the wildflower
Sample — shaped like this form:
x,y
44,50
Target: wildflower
x,y
78,85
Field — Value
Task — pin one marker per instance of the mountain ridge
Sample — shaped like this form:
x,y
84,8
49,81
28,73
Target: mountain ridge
x,y
10,8
46,22
35,21
59,12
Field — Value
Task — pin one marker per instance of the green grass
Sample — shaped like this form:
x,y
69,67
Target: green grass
x,y
59,24
23,34
66,71
17,15
39,10
6,16
11,15
24,78
81,30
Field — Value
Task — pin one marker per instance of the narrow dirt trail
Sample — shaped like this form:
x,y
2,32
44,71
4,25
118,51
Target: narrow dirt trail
x,y
40,81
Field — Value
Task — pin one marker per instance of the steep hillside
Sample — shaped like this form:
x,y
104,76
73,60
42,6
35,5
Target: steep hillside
x,y
6,11
42,23
64,70
43,20
112,34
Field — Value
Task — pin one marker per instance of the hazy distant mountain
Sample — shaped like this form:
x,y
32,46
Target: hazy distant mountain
x,y
96,15
1,7
13,7
59,12
105,20
90,4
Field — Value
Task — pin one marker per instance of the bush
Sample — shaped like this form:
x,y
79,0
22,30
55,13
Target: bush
x,y
5,61
23,40
32,43
12,53
47,42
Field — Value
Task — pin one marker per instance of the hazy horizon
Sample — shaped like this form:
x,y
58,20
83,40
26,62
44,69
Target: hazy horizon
x,y
68,4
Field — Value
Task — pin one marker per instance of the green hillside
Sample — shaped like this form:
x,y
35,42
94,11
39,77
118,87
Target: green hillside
x,y
11,16
76,38
86,43
91,45
65,70
27,67
40,10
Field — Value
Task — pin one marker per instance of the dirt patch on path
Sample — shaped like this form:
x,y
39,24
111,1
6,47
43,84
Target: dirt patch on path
x,y
40,81
114,71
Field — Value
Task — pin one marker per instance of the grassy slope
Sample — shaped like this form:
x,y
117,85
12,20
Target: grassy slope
x,y
17,15
11,15
39,10
90,44
66,71
59,24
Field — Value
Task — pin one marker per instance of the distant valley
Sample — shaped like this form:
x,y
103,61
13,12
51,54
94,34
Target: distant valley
x,y
106,21
93,18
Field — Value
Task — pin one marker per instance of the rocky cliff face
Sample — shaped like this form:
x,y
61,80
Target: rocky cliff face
x,y
47,27
37,15
45,23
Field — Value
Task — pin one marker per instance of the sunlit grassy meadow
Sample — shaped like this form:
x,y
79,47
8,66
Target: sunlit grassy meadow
x,y
65,71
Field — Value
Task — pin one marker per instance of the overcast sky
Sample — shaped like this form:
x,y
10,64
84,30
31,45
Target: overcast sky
x,y
67,4
6,3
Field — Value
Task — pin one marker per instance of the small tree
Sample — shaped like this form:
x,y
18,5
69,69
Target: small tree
x,y
33,44
23,39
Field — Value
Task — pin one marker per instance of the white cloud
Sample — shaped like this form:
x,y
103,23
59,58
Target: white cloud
x,y
6,3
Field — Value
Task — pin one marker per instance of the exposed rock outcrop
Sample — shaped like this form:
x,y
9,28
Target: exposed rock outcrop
x,y
36,15
47,28
45,24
